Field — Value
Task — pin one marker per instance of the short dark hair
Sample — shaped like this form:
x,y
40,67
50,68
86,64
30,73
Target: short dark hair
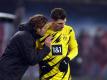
x,y
38,20
58,13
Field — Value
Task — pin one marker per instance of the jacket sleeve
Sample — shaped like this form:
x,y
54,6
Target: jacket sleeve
x,y
31,55
73,46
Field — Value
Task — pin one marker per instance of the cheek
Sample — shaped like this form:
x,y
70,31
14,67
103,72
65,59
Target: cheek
x,y
60,26
42,31
38,31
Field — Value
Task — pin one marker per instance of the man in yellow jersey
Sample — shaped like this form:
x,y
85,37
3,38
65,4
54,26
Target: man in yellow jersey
x,y
55,66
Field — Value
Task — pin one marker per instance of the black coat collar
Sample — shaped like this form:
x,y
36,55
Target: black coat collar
x,y
29,28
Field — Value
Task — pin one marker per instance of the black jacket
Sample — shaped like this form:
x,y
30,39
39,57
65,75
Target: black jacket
x,y
20,53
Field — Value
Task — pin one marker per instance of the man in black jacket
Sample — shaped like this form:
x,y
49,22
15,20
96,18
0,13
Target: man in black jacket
x,y
21,52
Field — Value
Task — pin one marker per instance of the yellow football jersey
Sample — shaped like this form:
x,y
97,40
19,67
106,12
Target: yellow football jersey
x,y
63,45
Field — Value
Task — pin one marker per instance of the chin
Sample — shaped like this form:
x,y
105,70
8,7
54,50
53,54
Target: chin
x,y
60,28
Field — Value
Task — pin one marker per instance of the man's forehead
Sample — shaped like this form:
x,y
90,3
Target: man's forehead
x,y
60,21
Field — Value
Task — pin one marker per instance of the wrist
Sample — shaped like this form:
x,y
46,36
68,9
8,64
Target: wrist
x,y
67,59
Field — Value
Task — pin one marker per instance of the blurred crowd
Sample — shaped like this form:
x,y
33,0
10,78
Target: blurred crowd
x,y
1,38
92,58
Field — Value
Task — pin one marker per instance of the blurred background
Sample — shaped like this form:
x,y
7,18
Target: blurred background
x,y
89,20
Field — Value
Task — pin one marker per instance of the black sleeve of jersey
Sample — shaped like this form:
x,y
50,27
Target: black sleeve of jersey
x,y
30,53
